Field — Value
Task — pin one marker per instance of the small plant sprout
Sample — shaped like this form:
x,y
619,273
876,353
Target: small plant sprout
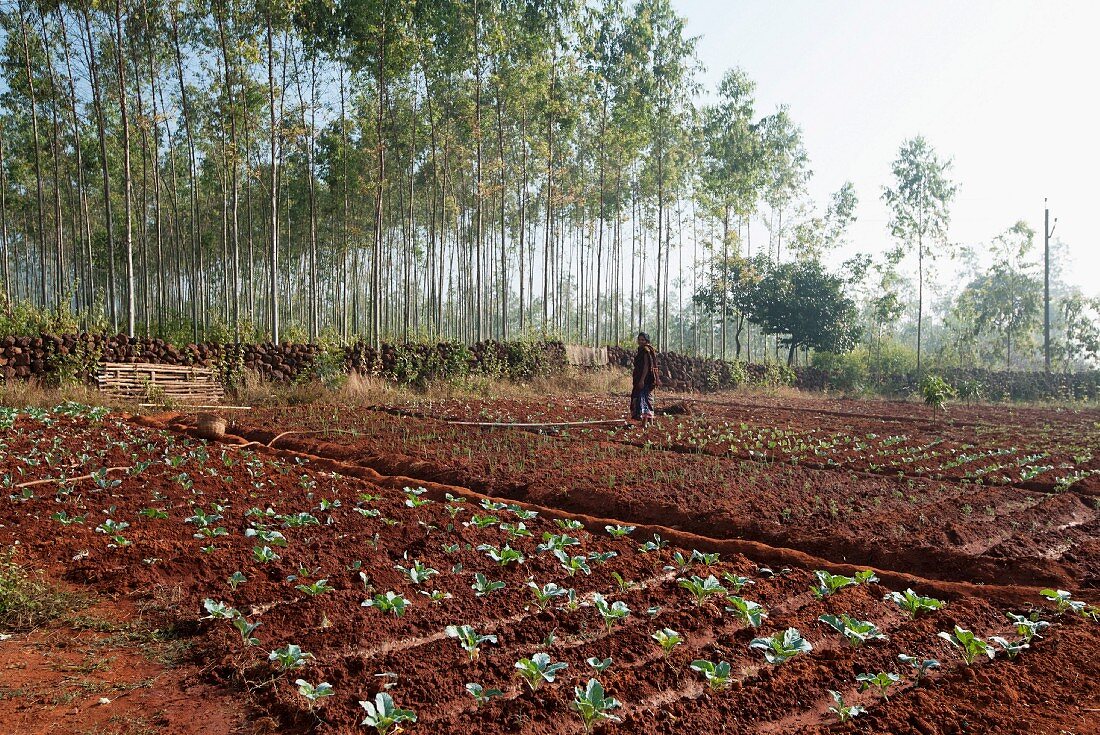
x,y
1012,648
417,573
469,639
1063,601
436,597
844,712
481,694
546,594
483,586
655,545
270,537
539,668
735,582
914,604
747,611
970,646
573,564
1028,627
235,580
569,524
385,716
219,610
619,531
716,674
516,530
707,560
680,562
599,664
827,583
602,557
610,612
781,647
669,639
882,681
289,657
921,666
593,705
313,589
624,585
867,576
264,554
493,506
246,629
390,602
312,693
857,632
504,556
702,589
555,542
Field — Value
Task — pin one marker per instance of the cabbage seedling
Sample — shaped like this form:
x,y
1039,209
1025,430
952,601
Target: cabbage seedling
x,y
515,530
482,522
539,668
781,647
66,520
625,585
735,582
701,588
913,603
827,583
504,556
388,602
619,531
1012,648
544,595
716,674
272,538
921,666
593,705
482,585
235,580
491,505
289,657
573,564
611,613
469,639
844,712
669,639
655,545
246,629
1028,627
319,587
1064,600
314,693
600,665
383,715
747,611
882,681
867,576
436,597
219,610
481,694
417,573
857,632
568,524
264,554
555,542
602,557
970,646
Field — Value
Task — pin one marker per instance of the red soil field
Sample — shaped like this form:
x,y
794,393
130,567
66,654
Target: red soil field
x,y
168,531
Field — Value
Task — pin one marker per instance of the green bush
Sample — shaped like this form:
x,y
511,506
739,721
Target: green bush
x,y
75,368
847,372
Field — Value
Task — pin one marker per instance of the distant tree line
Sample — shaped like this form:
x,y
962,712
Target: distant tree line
x,y
457,170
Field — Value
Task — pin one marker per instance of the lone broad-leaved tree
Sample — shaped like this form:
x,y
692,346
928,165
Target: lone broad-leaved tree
x,y
920,208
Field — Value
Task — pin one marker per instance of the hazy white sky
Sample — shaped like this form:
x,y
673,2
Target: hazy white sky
x,y
1010,89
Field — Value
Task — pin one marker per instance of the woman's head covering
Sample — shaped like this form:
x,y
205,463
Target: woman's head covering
x,y
644,336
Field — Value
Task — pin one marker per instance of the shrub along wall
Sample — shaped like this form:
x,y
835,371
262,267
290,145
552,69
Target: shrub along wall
x,y
56,358
49,357
681,372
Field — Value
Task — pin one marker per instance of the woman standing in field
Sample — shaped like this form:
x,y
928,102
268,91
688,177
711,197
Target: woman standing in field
x,y
645,380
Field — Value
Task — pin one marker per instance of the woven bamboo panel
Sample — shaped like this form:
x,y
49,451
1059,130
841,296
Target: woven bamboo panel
x,y
160,383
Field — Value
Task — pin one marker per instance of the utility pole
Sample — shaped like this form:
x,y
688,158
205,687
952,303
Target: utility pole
x,y
1048,230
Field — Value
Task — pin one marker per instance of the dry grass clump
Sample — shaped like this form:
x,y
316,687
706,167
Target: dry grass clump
x,y
26,600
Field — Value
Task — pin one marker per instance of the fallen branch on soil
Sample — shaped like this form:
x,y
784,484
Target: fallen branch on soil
x,y
491,424
61,480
